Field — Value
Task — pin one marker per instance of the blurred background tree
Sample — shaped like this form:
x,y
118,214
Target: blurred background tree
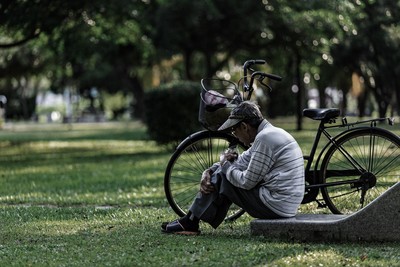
x,y
81,46
331,53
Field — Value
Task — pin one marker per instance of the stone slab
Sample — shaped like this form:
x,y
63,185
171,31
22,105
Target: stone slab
x,y
378,221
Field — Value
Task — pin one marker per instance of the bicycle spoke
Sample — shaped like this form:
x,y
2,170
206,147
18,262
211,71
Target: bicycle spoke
x,y
183,174
346,194
376,153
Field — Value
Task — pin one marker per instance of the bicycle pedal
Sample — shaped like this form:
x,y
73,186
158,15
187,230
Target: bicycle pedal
x,y
321,205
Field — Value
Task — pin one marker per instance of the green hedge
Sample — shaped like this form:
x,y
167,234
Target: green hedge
x,y
172,111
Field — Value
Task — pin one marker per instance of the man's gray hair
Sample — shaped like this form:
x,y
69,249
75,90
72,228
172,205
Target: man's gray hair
x,y
248,112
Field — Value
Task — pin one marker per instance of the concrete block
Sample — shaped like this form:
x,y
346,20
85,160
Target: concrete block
x,y
378,221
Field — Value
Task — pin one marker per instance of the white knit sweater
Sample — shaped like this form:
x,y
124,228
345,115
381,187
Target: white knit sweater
x,y
276,162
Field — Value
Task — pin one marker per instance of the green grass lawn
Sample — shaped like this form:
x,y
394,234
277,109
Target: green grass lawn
x,y
92,195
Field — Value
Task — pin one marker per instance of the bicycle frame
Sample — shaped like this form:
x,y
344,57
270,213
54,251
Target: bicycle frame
x,y
312,176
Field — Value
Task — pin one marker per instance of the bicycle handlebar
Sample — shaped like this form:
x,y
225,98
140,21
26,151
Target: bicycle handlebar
x,y
262,75
246,66
248,63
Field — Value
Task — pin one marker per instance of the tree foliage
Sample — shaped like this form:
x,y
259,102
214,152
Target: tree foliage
x,y
92,44
207,32
114,45
371,50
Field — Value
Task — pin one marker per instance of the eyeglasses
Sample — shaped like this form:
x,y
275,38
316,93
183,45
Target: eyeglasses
x,y
234,128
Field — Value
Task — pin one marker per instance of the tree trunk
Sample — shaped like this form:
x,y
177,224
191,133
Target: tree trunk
x,y
300,92
138,102
188,64
396,106
362,102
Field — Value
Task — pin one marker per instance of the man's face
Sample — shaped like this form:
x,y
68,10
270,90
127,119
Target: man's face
x,y
244,133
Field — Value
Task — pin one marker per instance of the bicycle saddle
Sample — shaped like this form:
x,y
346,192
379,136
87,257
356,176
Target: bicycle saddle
x,y
320,114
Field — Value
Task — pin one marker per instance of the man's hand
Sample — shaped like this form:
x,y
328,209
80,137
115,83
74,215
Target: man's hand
x,y
231,156
205,185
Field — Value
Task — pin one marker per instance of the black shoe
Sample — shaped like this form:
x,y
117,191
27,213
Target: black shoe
x,y
176,227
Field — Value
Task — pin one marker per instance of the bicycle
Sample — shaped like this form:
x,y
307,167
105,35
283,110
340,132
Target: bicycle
x,y
353,168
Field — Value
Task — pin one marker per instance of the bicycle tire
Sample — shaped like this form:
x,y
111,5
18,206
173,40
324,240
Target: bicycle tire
x,y
186,165
377,155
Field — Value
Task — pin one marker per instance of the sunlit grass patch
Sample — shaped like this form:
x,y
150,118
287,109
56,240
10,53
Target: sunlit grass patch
x,y
73,172
324,257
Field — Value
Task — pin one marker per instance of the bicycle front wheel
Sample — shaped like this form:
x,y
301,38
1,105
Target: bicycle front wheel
x,y
360,167
183,173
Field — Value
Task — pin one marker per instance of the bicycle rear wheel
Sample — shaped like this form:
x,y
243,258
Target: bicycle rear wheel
x,y
367,162
195,154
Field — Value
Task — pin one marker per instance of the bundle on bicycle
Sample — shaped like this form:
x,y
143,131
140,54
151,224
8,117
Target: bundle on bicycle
x,y
351,170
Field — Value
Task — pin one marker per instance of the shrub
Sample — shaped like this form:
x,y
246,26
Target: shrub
x,y
172,111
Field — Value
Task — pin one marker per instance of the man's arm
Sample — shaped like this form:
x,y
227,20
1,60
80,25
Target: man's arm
x,y
259,165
